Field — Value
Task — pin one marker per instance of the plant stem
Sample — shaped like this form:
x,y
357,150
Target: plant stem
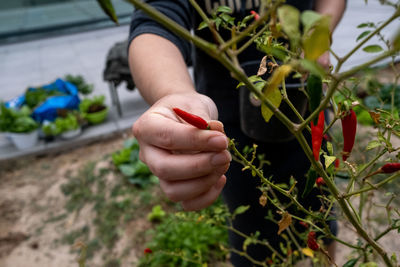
x,y
203,15
250,41
349,73
366,39
371,187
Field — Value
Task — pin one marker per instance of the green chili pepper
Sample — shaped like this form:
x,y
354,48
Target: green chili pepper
x,y
314,90
108,8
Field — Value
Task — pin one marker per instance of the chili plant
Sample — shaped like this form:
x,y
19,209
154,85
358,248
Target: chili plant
x,y
307,41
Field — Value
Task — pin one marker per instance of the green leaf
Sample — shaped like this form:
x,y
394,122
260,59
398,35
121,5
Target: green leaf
x,y
313,67
318,41
350,263
289,18
275,97
127,169
240,210
329,160
369,264
202,25
108,8
367,24
362,35
373,48
329,148
396,41
312,175
253,79
373,144
224,9
308,19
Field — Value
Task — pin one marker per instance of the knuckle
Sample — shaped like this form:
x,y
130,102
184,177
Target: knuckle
x,y
170,192
136,129
161,171
165,138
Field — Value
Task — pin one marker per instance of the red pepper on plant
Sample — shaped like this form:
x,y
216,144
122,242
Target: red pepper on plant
x,y
192,119
337,163
304,224
349,128
387,168
320,181
390,167
255,14
312,241
317,134
147,251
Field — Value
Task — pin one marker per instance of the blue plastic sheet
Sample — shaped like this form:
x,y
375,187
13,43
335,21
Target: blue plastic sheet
x,y
48,109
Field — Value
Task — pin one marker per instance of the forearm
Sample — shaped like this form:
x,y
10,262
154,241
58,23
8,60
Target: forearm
x,y
334,8
158,68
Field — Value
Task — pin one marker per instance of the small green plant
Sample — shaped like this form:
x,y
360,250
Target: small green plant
x,y
128,163
185,241
91,105
83,87
61,124
16,121
157,214
35,96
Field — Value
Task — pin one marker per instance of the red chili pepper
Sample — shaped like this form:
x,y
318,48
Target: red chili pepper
x,y
320,181
349,128
387,168
317,134
312,241
147,251
390,167
337,163
192,119
255,14
304,224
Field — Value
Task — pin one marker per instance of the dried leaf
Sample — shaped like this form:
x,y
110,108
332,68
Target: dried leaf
x,y
263,200
285,222
375,116
263,67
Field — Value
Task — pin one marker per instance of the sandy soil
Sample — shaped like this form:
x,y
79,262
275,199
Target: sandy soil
x,y
30,196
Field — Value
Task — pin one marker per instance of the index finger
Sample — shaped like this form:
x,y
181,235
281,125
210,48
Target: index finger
x,y
169,134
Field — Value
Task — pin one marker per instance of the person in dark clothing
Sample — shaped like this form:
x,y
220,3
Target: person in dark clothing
x,y
158,61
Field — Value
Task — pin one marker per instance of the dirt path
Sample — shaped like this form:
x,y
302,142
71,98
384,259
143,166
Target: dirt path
x,y
32,206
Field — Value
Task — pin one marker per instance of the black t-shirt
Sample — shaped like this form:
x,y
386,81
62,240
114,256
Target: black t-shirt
x,y
211,78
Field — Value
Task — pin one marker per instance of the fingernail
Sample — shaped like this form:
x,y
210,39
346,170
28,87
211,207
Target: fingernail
x,y
218,142
220,159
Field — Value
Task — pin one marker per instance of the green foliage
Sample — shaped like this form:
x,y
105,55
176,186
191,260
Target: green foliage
x,y
90,105
79,81
16,121
35,96
128,163
156,214
61,124
178,241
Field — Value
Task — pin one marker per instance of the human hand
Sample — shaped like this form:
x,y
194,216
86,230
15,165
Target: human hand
x,y
190,163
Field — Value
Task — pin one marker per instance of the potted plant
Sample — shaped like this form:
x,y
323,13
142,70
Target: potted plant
x,y
94,109
19,126
66,126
